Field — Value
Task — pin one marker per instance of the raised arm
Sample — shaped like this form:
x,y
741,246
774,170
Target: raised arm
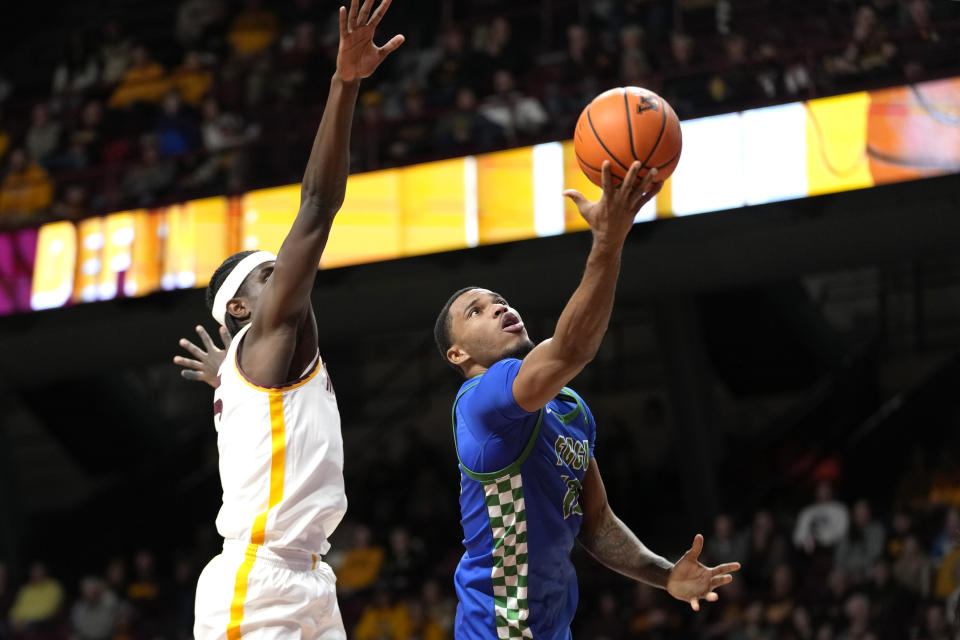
x,y
580,329
609,540
287,293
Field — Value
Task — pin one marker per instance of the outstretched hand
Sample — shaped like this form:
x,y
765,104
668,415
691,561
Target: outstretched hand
x,y
358,56
207,363
611,217
692,581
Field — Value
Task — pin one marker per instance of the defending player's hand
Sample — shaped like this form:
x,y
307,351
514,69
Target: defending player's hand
x,y
692,581
358,56
207,363
611,217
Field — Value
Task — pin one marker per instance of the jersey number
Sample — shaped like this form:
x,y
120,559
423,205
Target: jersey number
x,y
571,500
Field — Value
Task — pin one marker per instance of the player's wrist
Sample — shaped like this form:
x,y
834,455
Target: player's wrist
x,y
348,82
607,245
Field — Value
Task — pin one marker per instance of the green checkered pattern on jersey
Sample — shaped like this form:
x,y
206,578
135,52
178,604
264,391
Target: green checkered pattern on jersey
x,y
508,522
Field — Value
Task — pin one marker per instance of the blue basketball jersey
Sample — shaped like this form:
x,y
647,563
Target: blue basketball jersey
x,y
520,482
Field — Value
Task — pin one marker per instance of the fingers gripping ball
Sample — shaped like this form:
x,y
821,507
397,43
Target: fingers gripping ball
x,y
624,125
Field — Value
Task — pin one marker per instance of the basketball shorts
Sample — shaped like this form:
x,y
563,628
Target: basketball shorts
x,y
255,593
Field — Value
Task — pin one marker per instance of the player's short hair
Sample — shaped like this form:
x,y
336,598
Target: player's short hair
x,y
216,281
442,328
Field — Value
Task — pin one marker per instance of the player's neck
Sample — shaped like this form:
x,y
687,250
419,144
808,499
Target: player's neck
x,y
473,370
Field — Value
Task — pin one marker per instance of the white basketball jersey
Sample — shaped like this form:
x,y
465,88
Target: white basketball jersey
x,y
281,458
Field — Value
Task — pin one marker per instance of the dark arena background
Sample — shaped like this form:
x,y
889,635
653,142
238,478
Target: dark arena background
x,y
788,354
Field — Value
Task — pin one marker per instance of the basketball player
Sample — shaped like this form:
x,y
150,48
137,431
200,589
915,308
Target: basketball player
x,y
281,451
530,484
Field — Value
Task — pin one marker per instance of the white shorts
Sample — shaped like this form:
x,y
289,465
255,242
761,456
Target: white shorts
x,y
256,593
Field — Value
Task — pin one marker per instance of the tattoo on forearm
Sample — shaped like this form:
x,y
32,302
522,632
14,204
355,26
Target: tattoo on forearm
x,y
613,544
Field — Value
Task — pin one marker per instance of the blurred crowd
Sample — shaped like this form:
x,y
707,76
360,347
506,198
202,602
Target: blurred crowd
x,y
229,97
829,570
832,571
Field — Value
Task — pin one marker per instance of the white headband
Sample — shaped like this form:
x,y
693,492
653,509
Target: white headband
x,y
232,283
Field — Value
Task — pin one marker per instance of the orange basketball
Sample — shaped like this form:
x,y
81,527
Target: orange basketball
x,y
627,124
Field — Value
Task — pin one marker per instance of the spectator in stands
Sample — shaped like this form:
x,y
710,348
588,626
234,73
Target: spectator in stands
x,y
724,543
862,545
912,568
823,524
947,537
780,601
721,620
768,68
829,603
737,81
633,57
72,204
37,602
94,615
25,191
191,79
176,128
253,29
753,627
43,136
411,135
686,85
383,619
891,605
145,81
935,623
77,73
516,113
197,18
302,64
800,625
115,574
466,127
765,550
585,65
181,597
497,50
146,181
927,48
367,135
901,527
948,575
869,53
648,617
420,626
452,68
224,136
144,593
115,51
439,607
85,142
405,565
857,613
361,565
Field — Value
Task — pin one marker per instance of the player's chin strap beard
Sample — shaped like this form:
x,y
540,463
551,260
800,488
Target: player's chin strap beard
x,y
231,284
520,351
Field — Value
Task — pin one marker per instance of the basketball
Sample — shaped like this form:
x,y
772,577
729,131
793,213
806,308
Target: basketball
x,y
624,125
